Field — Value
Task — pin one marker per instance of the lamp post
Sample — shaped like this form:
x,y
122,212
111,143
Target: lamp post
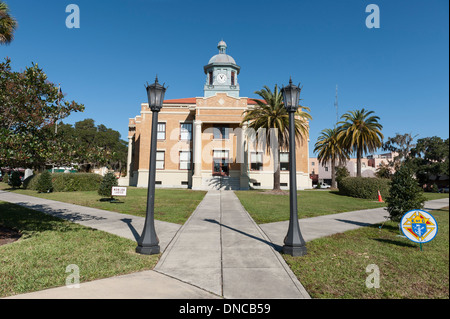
x,y
148,243
294,244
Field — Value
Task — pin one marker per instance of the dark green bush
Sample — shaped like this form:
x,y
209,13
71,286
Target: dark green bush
x,y
70,182
341,173
14,179
108,181
364,187
405,194
44,183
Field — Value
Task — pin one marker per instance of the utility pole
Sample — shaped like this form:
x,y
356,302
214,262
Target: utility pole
x,y
336,104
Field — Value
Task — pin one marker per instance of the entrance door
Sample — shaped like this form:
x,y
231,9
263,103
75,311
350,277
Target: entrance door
x,y
220,167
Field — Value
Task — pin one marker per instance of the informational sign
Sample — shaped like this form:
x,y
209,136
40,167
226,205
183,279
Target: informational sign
x,y
419,226
119,191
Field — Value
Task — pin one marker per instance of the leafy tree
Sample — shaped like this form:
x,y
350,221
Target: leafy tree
x,y
329,149
360,131
271,116
8,24
430,158
30,105
401,144
44,184
108,181
404,194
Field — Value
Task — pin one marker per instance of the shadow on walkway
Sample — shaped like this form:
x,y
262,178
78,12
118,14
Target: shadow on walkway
x,y
276,247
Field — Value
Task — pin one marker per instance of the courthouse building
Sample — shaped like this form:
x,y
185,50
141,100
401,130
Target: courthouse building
x,y
201,142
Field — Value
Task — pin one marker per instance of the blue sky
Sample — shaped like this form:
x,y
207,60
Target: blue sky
x,y
400,71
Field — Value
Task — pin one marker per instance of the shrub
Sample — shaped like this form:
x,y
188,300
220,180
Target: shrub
x,y
5,178
341,173
70,182
405,194
44,184
364,187
14,180
108,181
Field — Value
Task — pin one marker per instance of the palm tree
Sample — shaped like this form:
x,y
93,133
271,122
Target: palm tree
x,y
270,115
329,149
7,24
360,132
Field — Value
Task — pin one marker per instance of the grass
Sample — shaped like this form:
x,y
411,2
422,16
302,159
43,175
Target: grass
x,y
171,205
265,207
38,260
335,266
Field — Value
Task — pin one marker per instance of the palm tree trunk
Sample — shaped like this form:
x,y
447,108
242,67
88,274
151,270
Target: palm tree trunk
x,y
358,163
276,175
333,173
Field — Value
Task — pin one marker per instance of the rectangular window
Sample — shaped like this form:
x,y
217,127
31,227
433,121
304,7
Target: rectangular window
x,y
185,159
210,78
221,132
284,161
160,156
220,154
232,78
256,162
186,131
161,131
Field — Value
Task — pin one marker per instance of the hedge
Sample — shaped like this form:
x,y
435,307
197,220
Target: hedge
x,y
68,182
364,187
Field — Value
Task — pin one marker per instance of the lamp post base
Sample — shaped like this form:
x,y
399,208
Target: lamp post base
x,y
294,251
148,250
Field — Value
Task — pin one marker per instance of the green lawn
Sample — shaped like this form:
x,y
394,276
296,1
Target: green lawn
x,y
171,205
38,260
335,266
266,208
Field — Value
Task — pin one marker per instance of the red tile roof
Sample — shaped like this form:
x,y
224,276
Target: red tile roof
x,y
192,100
189,100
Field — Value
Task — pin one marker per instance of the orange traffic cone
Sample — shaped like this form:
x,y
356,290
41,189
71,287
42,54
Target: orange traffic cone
x,y
379,197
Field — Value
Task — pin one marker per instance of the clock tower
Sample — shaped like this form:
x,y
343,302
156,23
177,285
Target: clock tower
x,y
221,74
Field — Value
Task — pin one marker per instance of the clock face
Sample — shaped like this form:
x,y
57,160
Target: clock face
x,y
221,78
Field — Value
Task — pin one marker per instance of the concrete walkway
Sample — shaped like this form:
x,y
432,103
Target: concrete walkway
x,y
220,252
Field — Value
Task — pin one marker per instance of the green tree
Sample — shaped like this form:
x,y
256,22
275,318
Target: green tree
x,y
401,145
270,120
430,159
8,24
360,131
44,184
328,148
29,108
108,181
404,194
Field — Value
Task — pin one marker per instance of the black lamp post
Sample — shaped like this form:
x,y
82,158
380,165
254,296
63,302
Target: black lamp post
x,y
294,244
148,244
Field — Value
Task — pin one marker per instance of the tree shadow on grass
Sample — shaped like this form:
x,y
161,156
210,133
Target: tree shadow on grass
x,y
111,200
395,242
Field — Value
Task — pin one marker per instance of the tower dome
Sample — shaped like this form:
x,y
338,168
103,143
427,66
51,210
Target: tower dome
x,y
222,57
221,73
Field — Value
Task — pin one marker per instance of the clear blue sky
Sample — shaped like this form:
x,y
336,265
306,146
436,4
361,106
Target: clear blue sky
x,y
400,71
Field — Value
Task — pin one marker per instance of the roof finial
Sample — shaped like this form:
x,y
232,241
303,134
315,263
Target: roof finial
x,y
156,79
290,79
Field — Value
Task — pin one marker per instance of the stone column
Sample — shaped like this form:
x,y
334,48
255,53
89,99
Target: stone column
x,y
197,152
244,178
129,157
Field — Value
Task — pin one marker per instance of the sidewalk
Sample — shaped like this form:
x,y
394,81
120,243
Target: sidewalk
x,y
220,252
